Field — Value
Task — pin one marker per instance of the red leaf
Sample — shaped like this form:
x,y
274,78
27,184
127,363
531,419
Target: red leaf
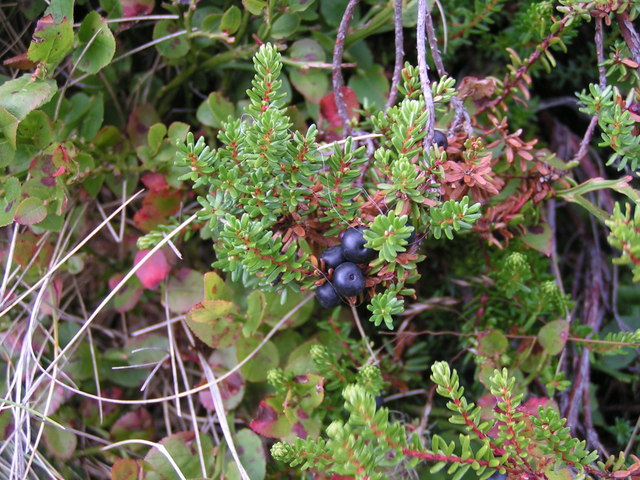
x,y
265,419
138,422
160,202
155,182
51,297
133,8
329,110
126,469
155,269
21,62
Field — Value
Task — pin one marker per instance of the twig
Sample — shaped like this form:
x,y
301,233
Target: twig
x,y
399,41
511,83
599,38
584,144
590,432
338,50
632,438
630,35
433,45
427,410
462,116
424,75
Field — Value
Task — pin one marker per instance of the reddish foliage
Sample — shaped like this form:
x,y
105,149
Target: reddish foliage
x,y
155,269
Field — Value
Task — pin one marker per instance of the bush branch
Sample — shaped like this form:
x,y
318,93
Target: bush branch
x,y
338,50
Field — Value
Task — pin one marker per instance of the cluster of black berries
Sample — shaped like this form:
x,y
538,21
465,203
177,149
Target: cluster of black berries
x,y
347,280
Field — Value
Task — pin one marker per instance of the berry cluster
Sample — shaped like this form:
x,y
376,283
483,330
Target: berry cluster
x,y
347,280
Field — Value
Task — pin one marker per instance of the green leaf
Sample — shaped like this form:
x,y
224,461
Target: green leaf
x,y
35,130
60,9
254,7
18,98
300,5
215,110
553,336
312,83
184,290
539,238
30,211
60,443
231,20
32,9
180,447
371,84
252,456
285,26
174,47
256,304
7,154
96,44
215,288
493,343
307,50
52,41
332,11
9,195
255,370
213,322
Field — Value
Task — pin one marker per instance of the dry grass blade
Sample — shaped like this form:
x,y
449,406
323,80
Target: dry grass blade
x,y
222,417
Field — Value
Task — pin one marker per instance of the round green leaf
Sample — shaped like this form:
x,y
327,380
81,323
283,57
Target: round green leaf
x,y
231,20
255,370
30,211
9,195
96,44
494,343
285,26
60,443
174,47
307,50
553,336
313,84
215,110
371,84
252,456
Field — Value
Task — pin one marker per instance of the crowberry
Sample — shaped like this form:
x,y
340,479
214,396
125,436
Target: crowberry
x,y
327,295
333,256
348,279
353,246
440,139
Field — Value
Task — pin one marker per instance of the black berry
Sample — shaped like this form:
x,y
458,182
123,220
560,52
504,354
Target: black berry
x,y
333,256
440,139
498,476
353,246
327,295
379,402
348,279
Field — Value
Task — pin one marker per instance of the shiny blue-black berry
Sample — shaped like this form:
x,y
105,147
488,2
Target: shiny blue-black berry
x,y
353,246
498,476
348,279
440,139
327,295
333,256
